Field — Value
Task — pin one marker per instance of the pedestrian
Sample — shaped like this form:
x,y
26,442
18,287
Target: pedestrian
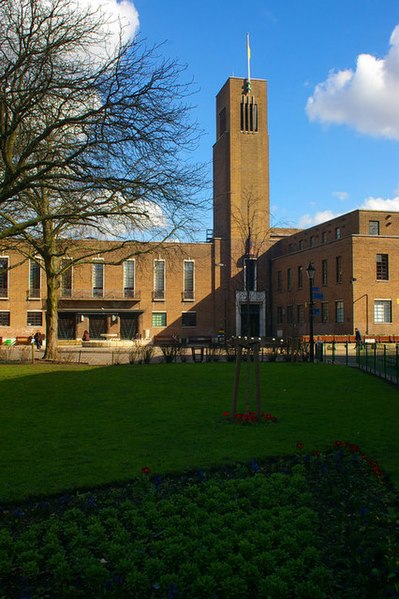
x,y
86,336
38,340
358,339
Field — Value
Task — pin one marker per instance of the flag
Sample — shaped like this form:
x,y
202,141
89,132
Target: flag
x,y
248,48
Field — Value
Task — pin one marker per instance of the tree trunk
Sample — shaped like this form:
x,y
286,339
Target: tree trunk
x,y
52,316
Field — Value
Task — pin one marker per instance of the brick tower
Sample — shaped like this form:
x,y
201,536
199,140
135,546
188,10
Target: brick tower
x,y
241,204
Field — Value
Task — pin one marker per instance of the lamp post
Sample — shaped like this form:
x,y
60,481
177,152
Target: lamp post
x,y
310,271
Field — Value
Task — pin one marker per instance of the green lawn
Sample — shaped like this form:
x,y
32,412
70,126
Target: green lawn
x,y
65,427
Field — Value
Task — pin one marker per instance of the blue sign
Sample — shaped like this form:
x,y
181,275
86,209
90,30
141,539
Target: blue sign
x,y
318,296
315,288
316,311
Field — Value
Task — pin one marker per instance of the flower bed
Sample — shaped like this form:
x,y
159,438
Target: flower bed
x,y
322,525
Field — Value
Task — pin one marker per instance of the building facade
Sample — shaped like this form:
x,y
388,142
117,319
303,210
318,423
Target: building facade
x,y
248,278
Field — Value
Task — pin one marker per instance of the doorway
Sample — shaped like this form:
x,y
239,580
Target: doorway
x,y
250,320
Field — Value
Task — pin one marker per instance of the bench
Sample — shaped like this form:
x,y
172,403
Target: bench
x,y
23,340
166,340
198,346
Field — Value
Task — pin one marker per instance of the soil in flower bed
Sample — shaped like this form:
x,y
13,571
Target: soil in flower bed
x,y
321,525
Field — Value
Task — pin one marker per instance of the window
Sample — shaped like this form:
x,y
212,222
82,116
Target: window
x,y
324,312
189,319
159,319
34,319
324,272
128,278
299,313
250,268
188,280
222,121
312,240
374,227
279,315
289,279
339,311
301,244
300,277
34,279
338,233
66,279
98,279
324,237
382,267
382,311
290,314
249,114
159,280
279,281
4,319
338,269
3,277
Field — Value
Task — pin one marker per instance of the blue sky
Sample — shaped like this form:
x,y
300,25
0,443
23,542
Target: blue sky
x,y
333,81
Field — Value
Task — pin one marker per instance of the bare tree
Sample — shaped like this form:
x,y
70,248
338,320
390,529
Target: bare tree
x,y
93,137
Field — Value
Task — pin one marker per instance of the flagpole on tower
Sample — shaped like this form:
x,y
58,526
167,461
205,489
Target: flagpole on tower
x,y
248,60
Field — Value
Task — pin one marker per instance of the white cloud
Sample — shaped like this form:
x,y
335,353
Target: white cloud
x,y
309,220
341,195
120,22
387,204
366,99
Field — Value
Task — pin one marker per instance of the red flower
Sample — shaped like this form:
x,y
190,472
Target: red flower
x,y
226,414
339,443
299,445
316,453
353,448
145,470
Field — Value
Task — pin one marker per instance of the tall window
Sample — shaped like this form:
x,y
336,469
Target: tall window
x,y
382,272
188,279
382,311
324,272
299,313
66,279
34,279
300,277
159,280
324,312
289,279
3,277
374,227
250,272
128,278
290,314
249,114
338,233
279,314
279,280
98,279
339,311
338,269
324,237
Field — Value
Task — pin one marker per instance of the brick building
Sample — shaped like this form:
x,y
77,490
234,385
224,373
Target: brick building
x,y
247,278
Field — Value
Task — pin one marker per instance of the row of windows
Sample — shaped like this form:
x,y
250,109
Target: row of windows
x,y
381,272
98,279
374,229
159,319
382,313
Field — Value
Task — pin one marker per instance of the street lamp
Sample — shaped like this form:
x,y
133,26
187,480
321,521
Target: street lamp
x,y
310,271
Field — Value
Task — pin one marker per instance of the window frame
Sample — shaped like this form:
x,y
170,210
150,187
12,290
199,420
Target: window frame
x,y
188,290
4,289
96,290
159,290
383,303
339,311
129,290
382,267
159,313
35,276
189,313
30,323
